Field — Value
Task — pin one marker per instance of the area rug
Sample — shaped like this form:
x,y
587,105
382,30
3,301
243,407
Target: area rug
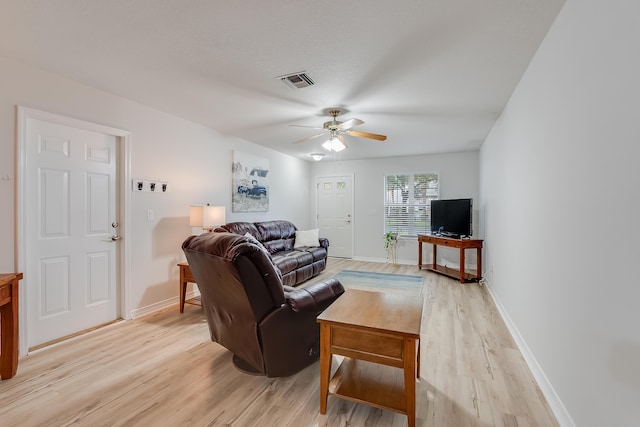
x,y
381,282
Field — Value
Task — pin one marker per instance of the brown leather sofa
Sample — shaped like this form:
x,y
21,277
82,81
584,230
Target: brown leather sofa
x,y
297,265
270,328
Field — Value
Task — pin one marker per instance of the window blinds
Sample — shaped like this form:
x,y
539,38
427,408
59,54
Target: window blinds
x,y
407,203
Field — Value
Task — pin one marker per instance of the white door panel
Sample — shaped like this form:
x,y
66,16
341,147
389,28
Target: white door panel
x,y
54,286
335,213
70,207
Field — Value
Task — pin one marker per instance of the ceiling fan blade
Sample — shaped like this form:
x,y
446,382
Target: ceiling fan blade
x,y
307,138
367,135
307,127
349,124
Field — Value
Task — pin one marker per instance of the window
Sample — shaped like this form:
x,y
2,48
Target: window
x,y
407,203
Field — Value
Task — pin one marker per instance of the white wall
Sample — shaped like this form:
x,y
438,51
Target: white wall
x,y
560,192
458,179
194,160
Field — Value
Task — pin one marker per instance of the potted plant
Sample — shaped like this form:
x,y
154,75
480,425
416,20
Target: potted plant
x,y
390,245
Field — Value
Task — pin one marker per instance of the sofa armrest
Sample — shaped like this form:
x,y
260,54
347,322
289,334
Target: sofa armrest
x,y
315,297
324,242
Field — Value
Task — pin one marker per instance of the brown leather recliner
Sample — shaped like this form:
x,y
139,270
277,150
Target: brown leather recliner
x,y
271,329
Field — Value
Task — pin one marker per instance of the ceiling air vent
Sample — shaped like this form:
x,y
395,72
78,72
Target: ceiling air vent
x,y
297,80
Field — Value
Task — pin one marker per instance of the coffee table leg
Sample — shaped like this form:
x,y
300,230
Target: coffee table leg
x,y
325,365
410,379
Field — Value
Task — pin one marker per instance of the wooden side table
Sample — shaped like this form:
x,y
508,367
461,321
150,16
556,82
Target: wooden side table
x,y
462,245
372,327
186,277
9,319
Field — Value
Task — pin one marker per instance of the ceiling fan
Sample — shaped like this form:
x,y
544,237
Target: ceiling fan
x,y
336,131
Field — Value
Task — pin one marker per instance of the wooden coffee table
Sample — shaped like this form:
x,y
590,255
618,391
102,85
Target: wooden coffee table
x,y
372,329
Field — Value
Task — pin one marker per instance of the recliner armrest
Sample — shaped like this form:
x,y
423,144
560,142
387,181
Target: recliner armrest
x,y
315,297
324,242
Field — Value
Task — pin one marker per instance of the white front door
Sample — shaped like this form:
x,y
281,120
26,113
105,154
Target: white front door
x,y
70,200
335,213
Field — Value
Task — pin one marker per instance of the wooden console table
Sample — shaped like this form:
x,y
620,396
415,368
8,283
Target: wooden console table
x,y
9,320
186,277
365,327
461,244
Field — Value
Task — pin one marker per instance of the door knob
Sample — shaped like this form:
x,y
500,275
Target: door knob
x,y
115,237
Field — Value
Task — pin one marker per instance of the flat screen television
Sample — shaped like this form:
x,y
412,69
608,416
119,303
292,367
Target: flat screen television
x,y
452,218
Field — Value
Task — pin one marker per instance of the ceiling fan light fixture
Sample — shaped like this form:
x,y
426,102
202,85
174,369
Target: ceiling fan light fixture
x,y
336,131
317,156
334,144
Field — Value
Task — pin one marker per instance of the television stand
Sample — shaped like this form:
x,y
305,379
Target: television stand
x,y
461,244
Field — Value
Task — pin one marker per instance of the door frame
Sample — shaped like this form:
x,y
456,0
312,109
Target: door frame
x,y
123,177
353,195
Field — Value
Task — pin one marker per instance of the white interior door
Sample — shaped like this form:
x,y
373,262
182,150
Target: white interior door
x,y
335,213
71,215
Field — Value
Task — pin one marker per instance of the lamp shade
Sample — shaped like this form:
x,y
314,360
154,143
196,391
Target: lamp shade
x,y
207,216
213,216
196,214
333,144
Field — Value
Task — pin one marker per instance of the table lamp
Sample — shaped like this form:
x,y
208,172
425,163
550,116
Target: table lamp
x,y
207,217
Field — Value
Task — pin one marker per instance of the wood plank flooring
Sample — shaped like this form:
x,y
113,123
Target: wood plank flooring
x,y
163,370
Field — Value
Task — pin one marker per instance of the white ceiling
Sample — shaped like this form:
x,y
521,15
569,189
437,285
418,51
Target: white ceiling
x,y
432,75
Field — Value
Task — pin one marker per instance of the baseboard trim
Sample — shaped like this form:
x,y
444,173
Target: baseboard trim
x,y
72,337
161,305
555,403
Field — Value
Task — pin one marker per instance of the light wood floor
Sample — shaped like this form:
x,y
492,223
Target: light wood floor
x,y
163,370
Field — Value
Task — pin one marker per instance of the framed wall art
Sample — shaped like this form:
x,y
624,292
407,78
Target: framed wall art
x,y
250,183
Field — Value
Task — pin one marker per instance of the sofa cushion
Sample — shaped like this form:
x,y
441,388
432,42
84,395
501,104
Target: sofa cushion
x,y
275,230
304,273
278,245
288,261
290,279
317,252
